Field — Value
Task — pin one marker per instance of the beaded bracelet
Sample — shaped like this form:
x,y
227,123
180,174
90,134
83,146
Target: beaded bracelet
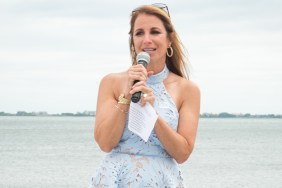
x,y
123,111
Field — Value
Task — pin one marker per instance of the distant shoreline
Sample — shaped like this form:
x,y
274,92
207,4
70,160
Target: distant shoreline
x,y
241,115
93,114
43,113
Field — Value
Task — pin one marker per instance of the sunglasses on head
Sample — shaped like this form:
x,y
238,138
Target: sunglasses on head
x,y
158,5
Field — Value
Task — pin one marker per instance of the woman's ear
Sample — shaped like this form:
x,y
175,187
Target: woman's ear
x,y
169,44
170,39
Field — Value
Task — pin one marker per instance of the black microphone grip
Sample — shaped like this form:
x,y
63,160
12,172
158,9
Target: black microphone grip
x,y
142,58
137,95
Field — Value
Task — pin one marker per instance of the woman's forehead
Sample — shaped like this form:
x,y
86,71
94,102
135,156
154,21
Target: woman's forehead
x,y
148,21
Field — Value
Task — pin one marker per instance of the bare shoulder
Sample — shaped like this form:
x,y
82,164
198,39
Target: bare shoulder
x,y
184,85
190,87
112,78
185,90
110,84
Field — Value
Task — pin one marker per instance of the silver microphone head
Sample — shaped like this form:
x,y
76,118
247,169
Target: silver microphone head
x,y
143,58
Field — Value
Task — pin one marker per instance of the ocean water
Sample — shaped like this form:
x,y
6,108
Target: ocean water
x,y
61,152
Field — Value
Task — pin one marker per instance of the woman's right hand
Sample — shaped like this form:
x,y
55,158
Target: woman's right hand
x,y
136,72
139,72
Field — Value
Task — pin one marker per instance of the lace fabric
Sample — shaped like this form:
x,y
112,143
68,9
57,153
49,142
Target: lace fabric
x,y
135,163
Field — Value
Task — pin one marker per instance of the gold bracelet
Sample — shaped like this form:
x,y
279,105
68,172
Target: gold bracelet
x,y
122,100
123,111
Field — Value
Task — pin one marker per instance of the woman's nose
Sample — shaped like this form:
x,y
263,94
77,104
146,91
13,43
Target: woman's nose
x,y
147,39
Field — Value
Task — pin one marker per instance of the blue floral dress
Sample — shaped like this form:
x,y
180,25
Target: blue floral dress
x,y
135,163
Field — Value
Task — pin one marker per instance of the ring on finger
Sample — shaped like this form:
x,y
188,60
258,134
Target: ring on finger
x,y
145,95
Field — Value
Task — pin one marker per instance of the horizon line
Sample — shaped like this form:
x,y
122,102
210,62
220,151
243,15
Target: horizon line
x,y
94,112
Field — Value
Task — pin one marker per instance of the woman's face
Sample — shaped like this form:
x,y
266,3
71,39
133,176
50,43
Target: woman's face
x,y
149,35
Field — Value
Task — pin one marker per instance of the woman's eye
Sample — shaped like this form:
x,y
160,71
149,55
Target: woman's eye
x,y
138,33
155,32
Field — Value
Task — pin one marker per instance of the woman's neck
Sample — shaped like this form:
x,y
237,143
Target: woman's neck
x,y
155,67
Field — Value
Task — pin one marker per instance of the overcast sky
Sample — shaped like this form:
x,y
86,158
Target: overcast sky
x,y
53,53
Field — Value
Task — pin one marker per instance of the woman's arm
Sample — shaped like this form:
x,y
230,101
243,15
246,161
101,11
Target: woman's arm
x,y
110,116
180,144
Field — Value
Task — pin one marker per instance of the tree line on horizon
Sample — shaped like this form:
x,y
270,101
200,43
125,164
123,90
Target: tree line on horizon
x,y
93,113
241,115
43,113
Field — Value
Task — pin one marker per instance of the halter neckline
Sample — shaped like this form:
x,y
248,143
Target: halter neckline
x,y
159,77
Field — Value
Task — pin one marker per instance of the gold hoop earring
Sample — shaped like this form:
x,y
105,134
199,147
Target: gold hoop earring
x,y
171,52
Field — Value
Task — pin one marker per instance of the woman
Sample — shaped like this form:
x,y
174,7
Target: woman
x,y
131,161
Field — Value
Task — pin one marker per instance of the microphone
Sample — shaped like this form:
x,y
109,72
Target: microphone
x,y
142,58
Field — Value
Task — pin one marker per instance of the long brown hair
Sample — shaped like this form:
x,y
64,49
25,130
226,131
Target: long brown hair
x,y
176,63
